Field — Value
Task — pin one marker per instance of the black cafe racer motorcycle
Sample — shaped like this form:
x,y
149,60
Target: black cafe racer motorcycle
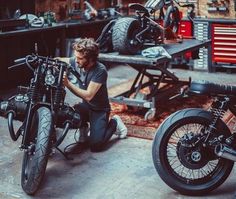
x,y
193,150
41,108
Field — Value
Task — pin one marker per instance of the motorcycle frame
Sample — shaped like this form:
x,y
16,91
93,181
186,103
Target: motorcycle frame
x,y
150,26
219,107
40,94
152,30
208,138
33,106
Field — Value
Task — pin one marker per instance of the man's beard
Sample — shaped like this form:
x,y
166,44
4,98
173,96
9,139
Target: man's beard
x,y
84,66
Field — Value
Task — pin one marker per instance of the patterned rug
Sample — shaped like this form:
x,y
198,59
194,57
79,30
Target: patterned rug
x,y
138,127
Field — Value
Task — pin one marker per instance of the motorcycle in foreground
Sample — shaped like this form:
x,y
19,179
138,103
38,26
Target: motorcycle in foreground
x,y
194,150
41,108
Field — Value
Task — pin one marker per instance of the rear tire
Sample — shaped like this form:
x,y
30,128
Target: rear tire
x,y
173,161
123,36
35,159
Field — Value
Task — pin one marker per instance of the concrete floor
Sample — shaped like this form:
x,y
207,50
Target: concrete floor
x,y
124,171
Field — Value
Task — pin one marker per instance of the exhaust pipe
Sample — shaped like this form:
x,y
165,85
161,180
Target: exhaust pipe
x,y
11,109
226,152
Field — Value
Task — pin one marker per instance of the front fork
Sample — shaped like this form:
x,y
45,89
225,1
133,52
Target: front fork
x,y
26,126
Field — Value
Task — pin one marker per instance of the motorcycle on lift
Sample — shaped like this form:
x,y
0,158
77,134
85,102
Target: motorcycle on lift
x,y
41,108
194,150
130,34
127,35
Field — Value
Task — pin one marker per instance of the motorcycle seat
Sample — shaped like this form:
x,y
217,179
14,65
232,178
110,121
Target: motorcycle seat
x,y
210,88
139,7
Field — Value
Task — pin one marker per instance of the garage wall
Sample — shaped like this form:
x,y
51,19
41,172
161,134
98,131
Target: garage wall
x,y
60,6
229,4
63,7
205,8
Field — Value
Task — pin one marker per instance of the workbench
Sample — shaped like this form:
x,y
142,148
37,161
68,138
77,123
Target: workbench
x,y
21,41
154,74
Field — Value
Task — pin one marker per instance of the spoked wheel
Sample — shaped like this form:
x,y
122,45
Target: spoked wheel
x,y
123,36
36,156
180,157
171,22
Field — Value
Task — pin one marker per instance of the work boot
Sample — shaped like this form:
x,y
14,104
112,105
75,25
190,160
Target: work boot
x,y
121,129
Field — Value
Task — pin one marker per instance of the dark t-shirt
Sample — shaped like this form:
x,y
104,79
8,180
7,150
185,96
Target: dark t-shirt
x,y
96,74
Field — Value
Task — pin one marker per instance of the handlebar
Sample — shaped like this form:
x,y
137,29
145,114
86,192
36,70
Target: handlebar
x,y
29,59
51,61
191,5
20,60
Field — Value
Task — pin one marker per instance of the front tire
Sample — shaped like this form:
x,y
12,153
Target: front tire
x,y
186,168
36,157
123,36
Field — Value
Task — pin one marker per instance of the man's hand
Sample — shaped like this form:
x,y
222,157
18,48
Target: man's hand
x,y
65,80
86,94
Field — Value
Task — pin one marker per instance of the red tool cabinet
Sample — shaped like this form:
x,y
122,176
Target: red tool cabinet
x,y
222,52
223,44
185,28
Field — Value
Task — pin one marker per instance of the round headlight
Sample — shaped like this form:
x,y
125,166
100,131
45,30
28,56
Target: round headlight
x,y
49,79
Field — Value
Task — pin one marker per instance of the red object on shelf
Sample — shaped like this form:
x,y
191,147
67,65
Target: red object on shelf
x,y
224,43
185,28
186,31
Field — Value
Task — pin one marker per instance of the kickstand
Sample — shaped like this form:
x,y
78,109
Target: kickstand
x,y
64,154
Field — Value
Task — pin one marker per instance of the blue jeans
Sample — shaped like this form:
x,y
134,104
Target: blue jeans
x,y
101,129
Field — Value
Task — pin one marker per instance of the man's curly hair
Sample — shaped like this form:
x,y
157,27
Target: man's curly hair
x,y
88,47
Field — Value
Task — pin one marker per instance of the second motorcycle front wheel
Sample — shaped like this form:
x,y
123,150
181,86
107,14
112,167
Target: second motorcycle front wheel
x,y
36,156
180,157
